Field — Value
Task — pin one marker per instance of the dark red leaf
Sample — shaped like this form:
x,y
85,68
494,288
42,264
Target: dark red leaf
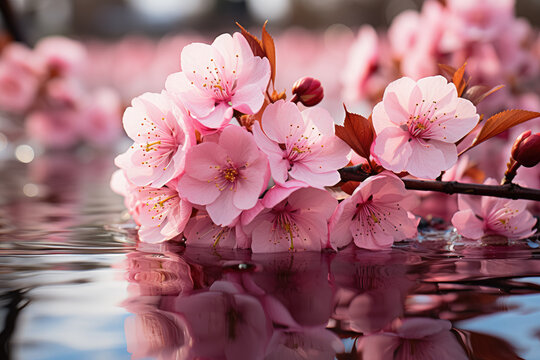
x,y
270,51
254,43
478,93
357,132
502,121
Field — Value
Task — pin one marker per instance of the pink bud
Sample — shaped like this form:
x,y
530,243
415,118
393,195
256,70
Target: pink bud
x,y
308,91
526,149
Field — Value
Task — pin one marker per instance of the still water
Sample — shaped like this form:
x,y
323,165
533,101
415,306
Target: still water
x,y
73,285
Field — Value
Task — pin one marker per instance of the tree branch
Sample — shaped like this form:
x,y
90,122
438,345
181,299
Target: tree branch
x,y
509,191
10,21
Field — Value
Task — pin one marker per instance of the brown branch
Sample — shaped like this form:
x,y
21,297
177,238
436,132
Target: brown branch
x,y
11,22
509,191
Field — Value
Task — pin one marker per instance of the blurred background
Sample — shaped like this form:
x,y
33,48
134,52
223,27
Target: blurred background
x,y
117,18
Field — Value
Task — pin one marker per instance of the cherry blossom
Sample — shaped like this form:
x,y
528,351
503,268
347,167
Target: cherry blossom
x,y
417,125
163,214
227,177
374,216
62,56
301,145
201,231
20,73
160,141
294,219
486,216
219,78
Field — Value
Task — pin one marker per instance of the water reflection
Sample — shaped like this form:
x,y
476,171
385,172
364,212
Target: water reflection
x,y
357,304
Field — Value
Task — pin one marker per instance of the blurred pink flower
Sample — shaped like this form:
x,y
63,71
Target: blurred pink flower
x,y
293,219
301,145
219,78
363,61
413,338
20,76
374,216
417,124
488,216
100,124
160,141
62,56
162,213
227,177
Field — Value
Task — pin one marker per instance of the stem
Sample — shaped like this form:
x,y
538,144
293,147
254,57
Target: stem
x,y
10,21
509,191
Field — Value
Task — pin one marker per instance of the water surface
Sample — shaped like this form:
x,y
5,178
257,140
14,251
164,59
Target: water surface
x,y
73,285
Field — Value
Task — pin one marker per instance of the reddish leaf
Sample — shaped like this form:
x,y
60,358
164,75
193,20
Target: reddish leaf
x,y
501,122
269,50
350,186
447,70
458,79
254,43
478,93
357,132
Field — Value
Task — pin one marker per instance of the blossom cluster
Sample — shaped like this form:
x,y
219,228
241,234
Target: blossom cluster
x,y
222,161
44,87
498,47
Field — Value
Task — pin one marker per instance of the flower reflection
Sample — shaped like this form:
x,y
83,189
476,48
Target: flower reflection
x,y
191,303
413,338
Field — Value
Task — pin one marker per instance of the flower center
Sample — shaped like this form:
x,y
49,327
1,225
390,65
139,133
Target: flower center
x,y
230,174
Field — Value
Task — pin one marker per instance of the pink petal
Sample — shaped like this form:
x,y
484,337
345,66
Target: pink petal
x,y
248,99
222,211
281,120
426,160
197,191
467,224
392,149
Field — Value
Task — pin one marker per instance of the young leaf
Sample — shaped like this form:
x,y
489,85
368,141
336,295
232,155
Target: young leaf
x,y
447,70
478,93
503,121
458,79
269,50
357,132
254,43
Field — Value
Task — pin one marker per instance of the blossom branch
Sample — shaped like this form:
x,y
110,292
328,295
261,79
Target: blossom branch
x,y
509,191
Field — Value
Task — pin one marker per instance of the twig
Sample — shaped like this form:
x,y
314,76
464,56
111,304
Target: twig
x,y
509,191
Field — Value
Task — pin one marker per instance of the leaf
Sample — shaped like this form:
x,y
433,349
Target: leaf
x,y
270,50
254,43
458,79
357,132
447,70
502,121
350,186
478,93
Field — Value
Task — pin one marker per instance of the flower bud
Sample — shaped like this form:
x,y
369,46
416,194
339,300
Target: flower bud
x,y
308,91
526,149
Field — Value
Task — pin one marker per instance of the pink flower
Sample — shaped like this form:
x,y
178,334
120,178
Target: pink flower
x,y
488,216
373,216
301,145
413,338
61,55
100,125
294,219
201,231
160,141
227,177
162,213
19,78
219,78
363,57
417,125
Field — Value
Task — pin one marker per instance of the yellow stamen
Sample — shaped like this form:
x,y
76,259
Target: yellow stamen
x,y
149,145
